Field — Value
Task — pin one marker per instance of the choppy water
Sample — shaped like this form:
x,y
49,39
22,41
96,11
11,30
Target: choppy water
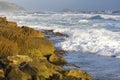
x,y
101,68
89,33
98,34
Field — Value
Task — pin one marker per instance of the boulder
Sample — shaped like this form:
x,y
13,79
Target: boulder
x,y
51,32
48,32
58,60
18,59
60,52
79,74
16,74
60,34
25,54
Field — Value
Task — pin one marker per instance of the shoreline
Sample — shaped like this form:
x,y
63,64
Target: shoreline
x,y
85,61
99,67
25,54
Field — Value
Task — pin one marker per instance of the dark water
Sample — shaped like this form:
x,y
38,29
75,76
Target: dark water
x,y
101,68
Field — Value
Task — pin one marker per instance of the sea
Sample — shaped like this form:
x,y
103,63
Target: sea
x,y
93,42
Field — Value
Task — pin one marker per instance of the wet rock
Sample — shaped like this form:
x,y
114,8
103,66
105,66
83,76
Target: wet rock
x,y
60,34
48,32
61,52
73,65
51,32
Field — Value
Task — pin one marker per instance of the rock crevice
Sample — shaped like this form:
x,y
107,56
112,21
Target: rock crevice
x,y
25,54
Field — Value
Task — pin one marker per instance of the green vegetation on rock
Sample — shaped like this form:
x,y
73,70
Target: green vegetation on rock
x,y
25,54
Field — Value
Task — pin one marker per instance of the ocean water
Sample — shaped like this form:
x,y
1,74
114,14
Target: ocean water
x,y
96,34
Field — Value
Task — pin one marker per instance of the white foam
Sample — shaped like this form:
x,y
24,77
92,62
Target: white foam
x,y
91,37
83,21
102,42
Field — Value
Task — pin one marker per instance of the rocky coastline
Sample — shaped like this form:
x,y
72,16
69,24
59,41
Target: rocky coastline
x,y
25,54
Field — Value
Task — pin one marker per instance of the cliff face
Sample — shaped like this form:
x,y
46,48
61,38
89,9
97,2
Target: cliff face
x,y
7,6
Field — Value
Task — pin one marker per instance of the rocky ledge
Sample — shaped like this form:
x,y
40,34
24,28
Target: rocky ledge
x,y
25,54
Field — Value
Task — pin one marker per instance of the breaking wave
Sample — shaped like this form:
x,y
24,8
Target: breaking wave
x,y
88,33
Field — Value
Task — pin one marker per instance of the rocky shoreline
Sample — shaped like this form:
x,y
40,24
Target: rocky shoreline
x,y
25,54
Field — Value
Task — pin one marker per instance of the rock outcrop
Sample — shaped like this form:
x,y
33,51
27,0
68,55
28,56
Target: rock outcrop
x,y
25,54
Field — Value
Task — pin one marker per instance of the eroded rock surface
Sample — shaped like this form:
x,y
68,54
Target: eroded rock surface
x,y
25,54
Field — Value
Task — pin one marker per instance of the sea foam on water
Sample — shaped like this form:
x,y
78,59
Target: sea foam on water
x,y
88,33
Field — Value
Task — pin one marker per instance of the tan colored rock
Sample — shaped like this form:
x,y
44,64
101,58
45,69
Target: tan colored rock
x,y
79,74
44,45
19,59
11,24
7,47
25,54
1,74
31,32
3,20
58,60
16,74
